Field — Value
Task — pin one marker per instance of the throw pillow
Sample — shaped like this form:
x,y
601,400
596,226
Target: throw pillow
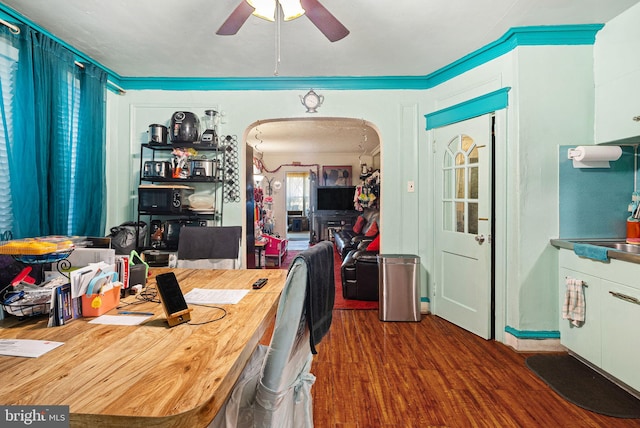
x,y
374,245
373,230
357,228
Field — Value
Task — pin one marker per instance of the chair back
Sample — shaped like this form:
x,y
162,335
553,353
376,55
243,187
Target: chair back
x,y
274,389
210,247
283,396
289,348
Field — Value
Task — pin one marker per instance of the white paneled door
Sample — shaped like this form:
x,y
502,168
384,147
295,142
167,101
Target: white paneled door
x,y
462,289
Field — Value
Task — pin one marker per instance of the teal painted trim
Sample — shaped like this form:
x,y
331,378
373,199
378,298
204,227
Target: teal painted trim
x,y
424,299
478,106
543,334
520,36
275,83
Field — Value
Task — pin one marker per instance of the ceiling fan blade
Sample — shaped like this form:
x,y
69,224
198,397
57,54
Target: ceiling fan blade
x,y
324,20
236,19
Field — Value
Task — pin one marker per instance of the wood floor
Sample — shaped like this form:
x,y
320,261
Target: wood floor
x,y
431,374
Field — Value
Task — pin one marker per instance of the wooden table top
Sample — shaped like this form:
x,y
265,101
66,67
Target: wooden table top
x,y
148,375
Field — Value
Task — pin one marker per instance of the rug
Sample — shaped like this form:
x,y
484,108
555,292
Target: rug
x,y
581,385
340,302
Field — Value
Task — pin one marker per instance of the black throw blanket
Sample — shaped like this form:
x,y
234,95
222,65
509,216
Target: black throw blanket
x,y
321,290
197,243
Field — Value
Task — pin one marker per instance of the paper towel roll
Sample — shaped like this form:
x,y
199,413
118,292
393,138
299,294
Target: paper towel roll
x,y
596,153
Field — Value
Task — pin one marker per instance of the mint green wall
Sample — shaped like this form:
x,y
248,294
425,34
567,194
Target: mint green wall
x,y
550,103
395,113
535,124
555,107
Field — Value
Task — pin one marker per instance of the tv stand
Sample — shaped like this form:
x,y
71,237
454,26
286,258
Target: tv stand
x,y
324,220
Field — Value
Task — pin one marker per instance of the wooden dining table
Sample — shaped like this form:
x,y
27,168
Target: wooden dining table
x,y
147,375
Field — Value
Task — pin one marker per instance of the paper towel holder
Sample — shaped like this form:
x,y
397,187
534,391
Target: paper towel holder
x,y
598,156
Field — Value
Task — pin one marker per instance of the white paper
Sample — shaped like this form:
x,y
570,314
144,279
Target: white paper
x,y
214,297
26,347
120,319
80,278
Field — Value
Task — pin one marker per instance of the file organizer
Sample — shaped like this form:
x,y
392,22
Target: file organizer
x,y
95,303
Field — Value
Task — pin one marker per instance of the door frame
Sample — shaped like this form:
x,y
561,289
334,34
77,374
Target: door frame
x,y
504,161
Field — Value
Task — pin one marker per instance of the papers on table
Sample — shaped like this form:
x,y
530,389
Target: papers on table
x,y
200,296
26,347
80,278
120,319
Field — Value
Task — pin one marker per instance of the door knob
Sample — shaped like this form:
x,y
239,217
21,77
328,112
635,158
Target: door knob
x,y
480,239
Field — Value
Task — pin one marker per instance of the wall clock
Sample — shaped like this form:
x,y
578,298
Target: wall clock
x,y
312,101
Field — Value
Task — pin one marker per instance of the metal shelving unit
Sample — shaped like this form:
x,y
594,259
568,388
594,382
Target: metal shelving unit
x,y
157,152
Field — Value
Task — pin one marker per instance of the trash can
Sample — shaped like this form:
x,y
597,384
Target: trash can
x,y
399,287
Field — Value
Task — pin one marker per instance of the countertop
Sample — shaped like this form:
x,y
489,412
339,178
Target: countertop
x,y
611,253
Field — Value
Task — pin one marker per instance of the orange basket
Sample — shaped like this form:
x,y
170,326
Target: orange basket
x,y
96,304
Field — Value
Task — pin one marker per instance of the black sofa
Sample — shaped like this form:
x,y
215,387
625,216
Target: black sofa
x,y
347,239
359,272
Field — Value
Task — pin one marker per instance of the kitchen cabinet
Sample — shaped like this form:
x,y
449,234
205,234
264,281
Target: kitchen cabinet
x,y
609,337
616,76
617,112
586,339
166,219
621,304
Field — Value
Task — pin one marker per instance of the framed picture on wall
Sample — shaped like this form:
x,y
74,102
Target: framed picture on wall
x,y
336,175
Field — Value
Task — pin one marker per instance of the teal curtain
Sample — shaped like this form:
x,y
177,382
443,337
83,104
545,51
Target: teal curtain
x,y
20,182
89,210
55,142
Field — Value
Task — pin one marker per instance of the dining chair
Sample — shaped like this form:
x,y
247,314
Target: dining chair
x,y
274,389
209,247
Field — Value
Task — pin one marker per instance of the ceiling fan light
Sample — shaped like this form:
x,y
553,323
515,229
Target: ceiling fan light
x,y
291,9
265,9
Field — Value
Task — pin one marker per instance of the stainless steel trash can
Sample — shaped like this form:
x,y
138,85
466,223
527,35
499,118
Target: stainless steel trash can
x,y
399,287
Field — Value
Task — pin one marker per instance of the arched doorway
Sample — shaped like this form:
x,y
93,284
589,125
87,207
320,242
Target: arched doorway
x,y
299,145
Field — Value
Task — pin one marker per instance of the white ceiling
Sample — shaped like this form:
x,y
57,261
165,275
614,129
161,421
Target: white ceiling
x,y
169,38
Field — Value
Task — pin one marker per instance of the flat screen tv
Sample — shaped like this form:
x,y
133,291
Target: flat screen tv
x,y
335,198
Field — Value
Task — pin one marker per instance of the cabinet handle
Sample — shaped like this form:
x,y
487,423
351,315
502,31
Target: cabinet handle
x,y
636,118
624,297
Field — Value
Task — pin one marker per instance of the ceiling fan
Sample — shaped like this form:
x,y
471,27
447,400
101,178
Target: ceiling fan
x,y
317,14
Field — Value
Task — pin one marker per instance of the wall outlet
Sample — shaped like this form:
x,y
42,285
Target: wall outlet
x,y
411,187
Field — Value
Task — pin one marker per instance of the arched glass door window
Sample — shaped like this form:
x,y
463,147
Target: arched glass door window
x,y
460,192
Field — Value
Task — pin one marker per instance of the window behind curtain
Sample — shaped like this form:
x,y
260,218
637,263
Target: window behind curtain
x,y
8,61
52,148
74,114
297,187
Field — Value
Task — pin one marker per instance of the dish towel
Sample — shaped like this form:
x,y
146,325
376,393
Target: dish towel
x,y
590,251
573,308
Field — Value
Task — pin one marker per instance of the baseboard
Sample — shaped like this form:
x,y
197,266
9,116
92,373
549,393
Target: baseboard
x,y
424,308
533,345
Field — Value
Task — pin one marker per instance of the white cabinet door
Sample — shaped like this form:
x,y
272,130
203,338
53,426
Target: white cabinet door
x,y
584,340
620,339
615,109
